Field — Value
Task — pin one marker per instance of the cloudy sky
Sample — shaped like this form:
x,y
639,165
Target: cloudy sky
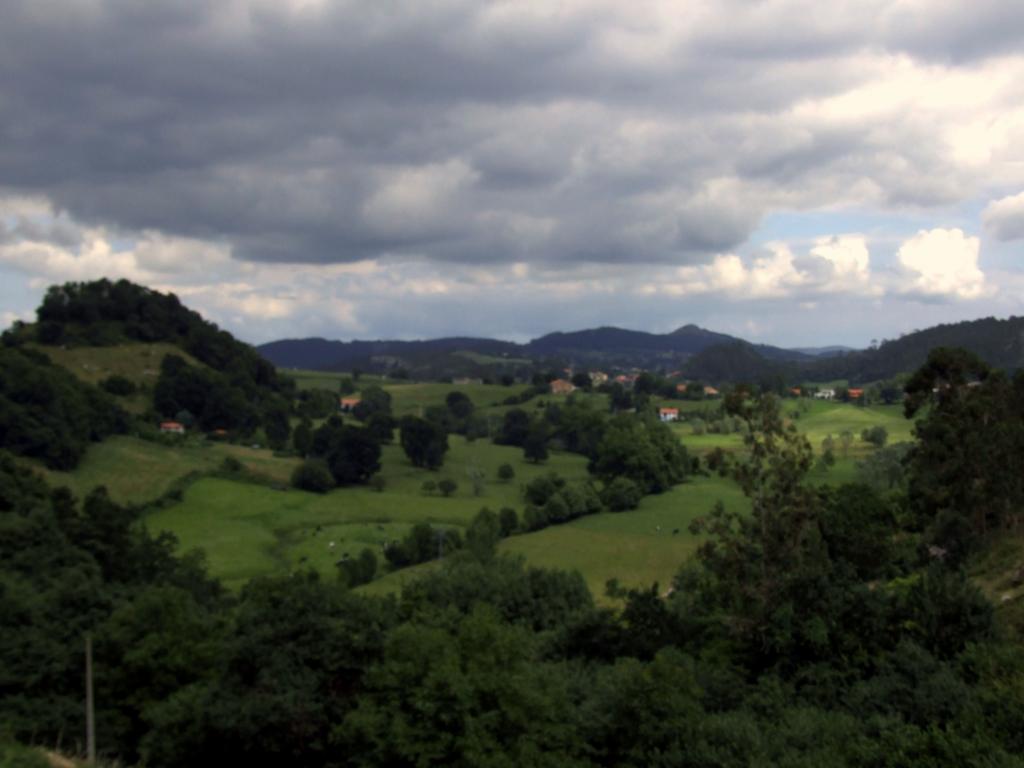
x,y
792,171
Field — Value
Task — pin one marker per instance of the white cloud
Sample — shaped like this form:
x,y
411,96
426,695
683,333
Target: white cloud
x,y
942,263
839,264
1004,218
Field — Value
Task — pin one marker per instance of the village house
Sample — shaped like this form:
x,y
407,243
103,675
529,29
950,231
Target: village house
x,y
562,387
172,427
855,394
346,404
711,392
825,394
681,389
668,414
597,378
796,391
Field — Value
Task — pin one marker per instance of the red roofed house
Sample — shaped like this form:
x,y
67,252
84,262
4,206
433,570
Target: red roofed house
x,y
562,387
668,414
710,392
348,403
855,394
796,391
681,388
172,427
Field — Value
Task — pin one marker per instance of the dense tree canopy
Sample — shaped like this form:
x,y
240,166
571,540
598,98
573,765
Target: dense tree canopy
x,y
49,415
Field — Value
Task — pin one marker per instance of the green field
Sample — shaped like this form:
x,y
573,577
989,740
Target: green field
x,y
139,363
638,547
137,471
248,529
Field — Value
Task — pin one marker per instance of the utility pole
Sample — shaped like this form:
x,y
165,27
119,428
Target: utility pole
x,y
90,721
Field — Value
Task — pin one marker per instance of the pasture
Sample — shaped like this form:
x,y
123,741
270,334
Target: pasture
x,y
135,471
247,530
638,548
137,362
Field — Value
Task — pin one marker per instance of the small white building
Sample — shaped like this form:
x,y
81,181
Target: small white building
x,y
825,394
668,414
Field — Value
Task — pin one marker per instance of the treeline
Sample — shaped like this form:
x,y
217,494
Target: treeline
x,y
49,415
822,628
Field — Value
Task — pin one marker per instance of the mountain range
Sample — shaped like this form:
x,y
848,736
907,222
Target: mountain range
x,y
606,346
694,351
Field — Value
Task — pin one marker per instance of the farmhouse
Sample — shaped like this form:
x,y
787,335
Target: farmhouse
x,y
825,394
172,427
562,387
346,404
711,392
597,378
681,389
668,414
855,394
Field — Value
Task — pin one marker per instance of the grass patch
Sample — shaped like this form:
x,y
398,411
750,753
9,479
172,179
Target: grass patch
x,y
248,530
135,471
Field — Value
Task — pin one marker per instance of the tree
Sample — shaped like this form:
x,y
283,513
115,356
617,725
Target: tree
x,y
381,426
459,405
514,428
877,436
372,399
352,455
508,521
621,494
582,381
447,487
535,447
302,437
277,425
483,534
506,473
428,487
960,489
313,475
424,443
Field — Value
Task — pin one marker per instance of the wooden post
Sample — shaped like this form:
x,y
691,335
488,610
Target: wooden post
x,y
90,722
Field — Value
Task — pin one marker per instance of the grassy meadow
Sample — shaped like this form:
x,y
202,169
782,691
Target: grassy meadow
x,y
137,362
135,471
248,529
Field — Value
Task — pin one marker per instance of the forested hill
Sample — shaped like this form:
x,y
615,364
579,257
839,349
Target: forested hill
x,y
1000,343
596,347
215,383
103,313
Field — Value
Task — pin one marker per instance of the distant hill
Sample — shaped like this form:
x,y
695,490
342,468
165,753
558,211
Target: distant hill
x,y
825,351
698,352
1000,343
606,346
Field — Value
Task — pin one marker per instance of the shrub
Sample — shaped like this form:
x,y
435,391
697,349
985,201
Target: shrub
x,y
621,494
118,385
506,473
313,475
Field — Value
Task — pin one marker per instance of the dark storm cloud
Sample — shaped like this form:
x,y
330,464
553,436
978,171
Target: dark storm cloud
x,y
455,130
